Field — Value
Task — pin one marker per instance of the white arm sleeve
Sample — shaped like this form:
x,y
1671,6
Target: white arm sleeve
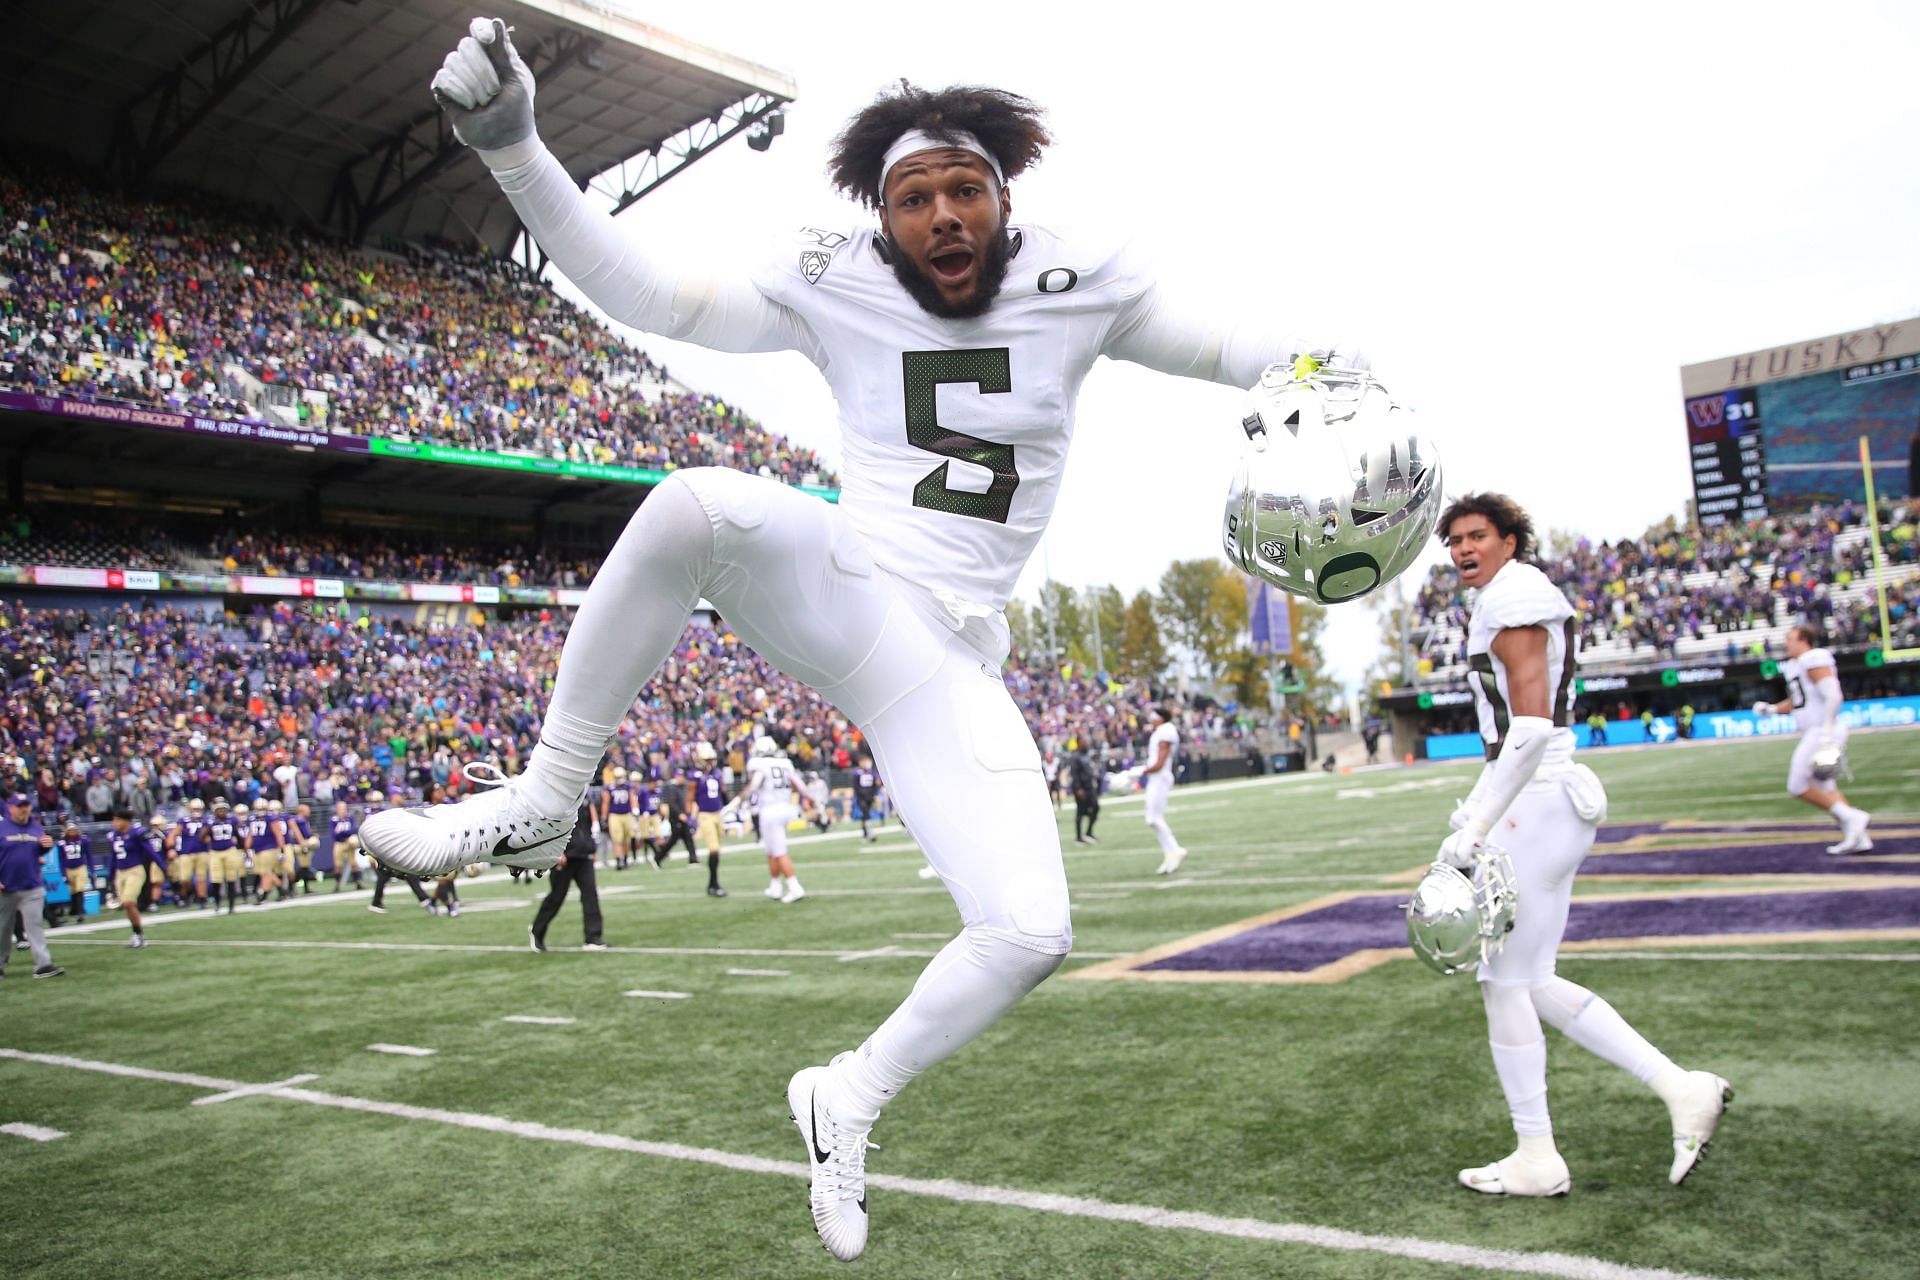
x,y
1511,770
1147,331
1831,698
723,313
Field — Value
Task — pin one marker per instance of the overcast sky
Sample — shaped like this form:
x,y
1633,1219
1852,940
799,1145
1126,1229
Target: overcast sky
x,y
1529,215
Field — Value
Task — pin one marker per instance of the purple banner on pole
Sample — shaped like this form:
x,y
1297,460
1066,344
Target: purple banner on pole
x,y
1269,618
136,415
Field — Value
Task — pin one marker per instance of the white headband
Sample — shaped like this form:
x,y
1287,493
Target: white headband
x,y
914,140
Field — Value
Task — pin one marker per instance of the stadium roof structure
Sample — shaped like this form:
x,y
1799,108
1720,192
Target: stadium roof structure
x,y
318,110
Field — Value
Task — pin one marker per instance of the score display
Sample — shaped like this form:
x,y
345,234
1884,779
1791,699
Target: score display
x,y
1729,456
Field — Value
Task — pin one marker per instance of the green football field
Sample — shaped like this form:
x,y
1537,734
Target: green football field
x,y
1229,1121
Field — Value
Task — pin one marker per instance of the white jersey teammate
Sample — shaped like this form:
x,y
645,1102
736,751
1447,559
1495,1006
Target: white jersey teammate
x,y
1157,780
769,795
1814,697
955,343
1536,803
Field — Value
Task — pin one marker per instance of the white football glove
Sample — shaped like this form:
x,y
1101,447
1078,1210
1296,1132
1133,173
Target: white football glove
x,y
1763,708
1462,849
485,89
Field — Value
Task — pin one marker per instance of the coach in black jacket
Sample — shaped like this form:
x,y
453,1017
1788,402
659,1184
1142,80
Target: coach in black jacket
x,y
577,865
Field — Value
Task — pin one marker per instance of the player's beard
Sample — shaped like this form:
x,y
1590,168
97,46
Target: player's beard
x,y
920,286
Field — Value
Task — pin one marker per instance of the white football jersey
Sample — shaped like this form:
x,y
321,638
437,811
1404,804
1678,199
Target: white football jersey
x,y
1520,596
954,431
777,784
1810,707
1171,736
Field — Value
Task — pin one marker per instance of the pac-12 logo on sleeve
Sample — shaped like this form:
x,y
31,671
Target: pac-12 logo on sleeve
x,y
815,261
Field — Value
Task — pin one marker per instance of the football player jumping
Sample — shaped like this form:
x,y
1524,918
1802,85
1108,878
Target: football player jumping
x,y
1536,803
955,342
1814,698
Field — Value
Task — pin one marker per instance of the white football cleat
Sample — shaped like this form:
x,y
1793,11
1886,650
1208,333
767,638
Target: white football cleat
x,y
1171,863
793,895
774,890
494,825
1515,1176
1853,836
838,1160
1694,1121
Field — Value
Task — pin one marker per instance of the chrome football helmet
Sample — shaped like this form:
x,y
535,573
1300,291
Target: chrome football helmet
x,y
1455,922
1344,495
1829,760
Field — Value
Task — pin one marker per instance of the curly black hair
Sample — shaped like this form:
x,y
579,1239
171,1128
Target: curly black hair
x,y
1008,125
1506,516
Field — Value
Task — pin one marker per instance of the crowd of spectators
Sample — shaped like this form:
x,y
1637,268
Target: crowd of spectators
x,y
145,705
151,302
1744,577
56,535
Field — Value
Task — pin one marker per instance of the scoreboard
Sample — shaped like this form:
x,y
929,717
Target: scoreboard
x,y
1780,430
1729,457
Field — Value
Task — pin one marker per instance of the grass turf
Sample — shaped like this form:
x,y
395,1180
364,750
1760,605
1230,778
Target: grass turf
x,y
1347,1105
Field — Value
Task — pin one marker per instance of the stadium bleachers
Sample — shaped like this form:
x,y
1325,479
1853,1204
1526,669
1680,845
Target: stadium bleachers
x,y
189,305
192,704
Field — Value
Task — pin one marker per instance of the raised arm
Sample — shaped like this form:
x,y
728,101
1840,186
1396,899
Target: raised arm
x,y
487,90
1152,332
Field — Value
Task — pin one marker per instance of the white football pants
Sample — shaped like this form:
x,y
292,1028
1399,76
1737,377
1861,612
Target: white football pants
x,y
793,579
1800,777
773,830
1548,839
1157,793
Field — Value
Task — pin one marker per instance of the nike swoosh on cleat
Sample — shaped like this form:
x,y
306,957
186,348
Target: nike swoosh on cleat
x,y
813,1121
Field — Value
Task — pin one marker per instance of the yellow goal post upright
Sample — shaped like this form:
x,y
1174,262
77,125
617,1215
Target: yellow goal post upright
x,y
1887,652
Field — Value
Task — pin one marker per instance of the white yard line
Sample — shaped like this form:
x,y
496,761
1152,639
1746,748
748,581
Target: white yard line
x,y
640,994
404,1050
1863,957
537,1020
32,1132
284,944
253,1090
1501,1261
759,973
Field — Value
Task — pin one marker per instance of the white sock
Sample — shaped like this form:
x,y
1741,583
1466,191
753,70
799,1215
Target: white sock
x,y
633,615
963,990
1597,1027
1844,813
1522,1069
793,882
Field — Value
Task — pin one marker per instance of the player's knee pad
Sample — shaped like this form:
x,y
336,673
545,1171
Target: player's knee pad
x,y
678,518
1511,1018
1030,911
1019,960
1559,1002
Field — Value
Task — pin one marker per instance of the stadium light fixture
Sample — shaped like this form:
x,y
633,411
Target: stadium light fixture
x,y
767,130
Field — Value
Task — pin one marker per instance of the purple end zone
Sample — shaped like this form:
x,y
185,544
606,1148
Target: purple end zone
x,y
1320,937
1615,833
1755,859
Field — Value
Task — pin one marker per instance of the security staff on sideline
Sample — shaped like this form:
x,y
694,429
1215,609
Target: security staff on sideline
x,y
23,890
576,866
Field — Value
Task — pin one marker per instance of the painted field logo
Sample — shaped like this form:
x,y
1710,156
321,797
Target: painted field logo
x,y
1761,882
